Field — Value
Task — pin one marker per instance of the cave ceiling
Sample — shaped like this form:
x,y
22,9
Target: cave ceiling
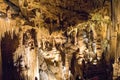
x,y
68,11
53,14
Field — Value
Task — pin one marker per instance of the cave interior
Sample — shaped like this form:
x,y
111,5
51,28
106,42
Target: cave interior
x,y
59,40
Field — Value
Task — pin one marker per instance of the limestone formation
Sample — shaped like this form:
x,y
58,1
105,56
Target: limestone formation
x,y
58,39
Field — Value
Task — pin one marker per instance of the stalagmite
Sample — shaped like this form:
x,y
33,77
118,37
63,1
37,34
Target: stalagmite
x,y
27,66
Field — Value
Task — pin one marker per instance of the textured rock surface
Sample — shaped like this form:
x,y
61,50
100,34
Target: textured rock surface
x,y
68,36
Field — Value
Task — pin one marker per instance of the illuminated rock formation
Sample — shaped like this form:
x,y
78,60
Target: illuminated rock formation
x,y
56,39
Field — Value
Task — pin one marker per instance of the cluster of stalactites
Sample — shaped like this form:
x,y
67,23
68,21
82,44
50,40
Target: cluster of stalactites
x,y
6,25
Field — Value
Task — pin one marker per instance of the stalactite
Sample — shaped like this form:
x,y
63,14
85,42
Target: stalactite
x,y
9,26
